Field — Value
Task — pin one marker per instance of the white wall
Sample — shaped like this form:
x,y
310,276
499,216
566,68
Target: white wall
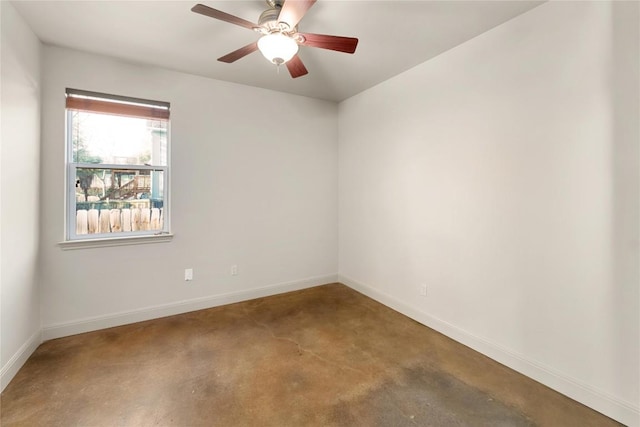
x,y
20,191
504,175
254,183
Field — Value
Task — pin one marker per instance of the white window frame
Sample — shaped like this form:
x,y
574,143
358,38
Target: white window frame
x,y
72,239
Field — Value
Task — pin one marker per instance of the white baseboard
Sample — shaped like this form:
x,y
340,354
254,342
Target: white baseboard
x,y
154,312
11,368
622,411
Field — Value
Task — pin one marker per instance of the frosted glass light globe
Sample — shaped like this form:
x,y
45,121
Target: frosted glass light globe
x,y
277,47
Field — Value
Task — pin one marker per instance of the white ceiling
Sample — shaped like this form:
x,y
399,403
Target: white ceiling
x,y
394,36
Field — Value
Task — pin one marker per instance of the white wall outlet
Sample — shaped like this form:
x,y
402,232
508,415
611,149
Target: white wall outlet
x,y
234,270
188,274
423,290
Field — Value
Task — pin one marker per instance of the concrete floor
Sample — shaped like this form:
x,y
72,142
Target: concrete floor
x,y
326,356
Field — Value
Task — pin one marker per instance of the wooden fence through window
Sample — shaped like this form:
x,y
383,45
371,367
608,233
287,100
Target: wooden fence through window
x,y
94,221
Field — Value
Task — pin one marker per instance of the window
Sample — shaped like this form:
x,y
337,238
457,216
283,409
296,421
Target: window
x,y
117,166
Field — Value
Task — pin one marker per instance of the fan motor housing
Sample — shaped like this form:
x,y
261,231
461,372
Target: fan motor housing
x,y
268,22
269,18
275,3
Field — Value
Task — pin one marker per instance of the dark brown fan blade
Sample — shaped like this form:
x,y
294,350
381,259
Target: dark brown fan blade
x,y
296,67
293,11
240,53
223,16
341,44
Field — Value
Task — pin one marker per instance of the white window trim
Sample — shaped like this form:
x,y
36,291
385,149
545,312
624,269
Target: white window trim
x,y
74,241
115,241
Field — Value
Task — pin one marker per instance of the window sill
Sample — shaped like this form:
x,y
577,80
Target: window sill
x,y
115,241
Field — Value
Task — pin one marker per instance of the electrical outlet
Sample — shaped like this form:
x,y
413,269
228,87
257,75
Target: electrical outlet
x,y
188,274
423,290
234,270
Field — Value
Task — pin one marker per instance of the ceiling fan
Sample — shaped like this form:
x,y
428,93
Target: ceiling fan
x,y
280,37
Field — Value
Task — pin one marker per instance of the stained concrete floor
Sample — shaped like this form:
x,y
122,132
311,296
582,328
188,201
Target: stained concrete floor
x,y
326,356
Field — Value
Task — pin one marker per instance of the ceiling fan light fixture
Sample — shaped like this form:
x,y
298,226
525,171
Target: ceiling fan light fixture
x,y
277,47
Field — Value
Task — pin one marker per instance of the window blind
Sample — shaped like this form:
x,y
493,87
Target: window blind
x,y
119,105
